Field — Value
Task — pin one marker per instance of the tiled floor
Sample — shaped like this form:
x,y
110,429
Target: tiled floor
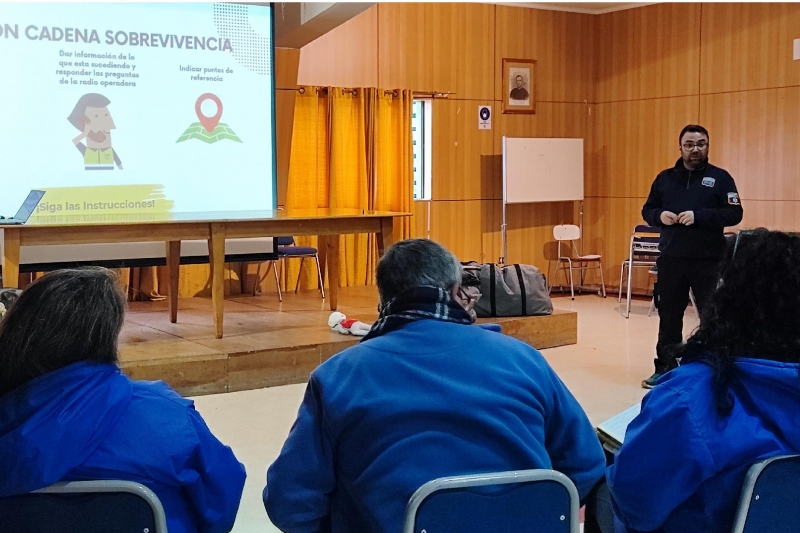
x,y
603,371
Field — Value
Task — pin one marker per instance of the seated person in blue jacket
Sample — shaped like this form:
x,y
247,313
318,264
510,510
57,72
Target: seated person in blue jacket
x,y
425,394
733,401
68,414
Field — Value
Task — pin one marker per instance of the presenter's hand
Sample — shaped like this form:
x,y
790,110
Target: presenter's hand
x,y
686,218
668,218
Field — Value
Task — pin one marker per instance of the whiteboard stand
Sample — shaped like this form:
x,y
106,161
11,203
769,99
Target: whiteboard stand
x,y
540,170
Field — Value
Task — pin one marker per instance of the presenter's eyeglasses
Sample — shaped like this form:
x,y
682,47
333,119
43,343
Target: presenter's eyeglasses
x,y
691,146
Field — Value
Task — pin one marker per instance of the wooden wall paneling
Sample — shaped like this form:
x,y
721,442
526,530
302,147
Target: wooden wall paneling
x,y
648,52
346,56
491,220
284,125
287,63
772,214
560,42
633,142
608,223
530,231
418,46
476,24
457,226
755,136
419,219
463,156
748,46
550,120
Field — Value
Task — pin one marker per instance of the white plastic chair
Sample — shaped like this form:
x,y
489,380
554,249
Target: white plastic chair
x,y
568,234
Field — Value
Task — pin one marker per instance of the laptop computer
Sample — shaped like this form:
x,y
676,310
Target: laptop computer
x,y
28,206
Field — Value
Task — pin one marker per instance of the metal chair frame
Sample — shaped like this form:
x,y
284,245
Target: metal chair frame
x,y
749,493
302,257
113,486
644,246
570,233
500,478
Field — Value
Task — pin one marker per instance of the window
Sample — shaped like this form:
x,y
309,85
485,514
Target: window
x,y
421,124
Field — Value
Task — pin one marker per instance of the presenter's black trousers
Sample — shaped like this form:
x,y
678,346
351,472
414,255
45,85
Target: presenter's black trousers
x,y
675,278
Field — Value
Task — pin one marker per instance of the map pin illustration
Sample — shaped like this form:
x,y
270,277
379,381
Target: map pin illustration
x,y
209,123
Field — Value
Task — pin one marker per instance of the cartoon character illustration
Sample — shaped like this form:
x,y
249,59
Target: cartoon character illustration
x,y
92,118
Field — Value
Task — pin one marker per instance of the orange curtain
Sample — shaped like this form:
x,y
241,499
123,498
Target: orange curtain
x,y
309,176
351,148
393,173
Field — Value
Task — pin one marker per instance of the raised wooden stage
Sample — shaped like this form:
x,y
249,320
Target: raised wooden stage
x,y
267,342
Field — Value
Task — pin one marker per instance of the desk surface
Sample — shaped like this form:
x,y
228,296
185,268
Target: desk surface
x,y
211,216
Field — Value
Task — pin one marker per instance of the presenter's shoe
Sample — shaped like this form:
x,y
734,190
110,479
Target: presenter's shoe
x,y
650,382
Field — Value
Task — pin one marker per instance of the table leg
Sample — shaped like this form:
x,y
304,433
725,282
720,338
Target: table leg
x,y
386,236
322,250
216,255
11,244
333,270
174,269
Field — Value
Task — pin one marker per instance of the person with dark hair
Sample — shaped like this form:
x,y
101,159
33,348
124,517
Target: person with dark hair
x,y
426,394
692,203
733,401
68,414
92,118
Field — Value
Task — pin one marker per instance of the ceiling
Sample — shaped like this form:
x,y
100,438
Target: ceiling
x,y
593,8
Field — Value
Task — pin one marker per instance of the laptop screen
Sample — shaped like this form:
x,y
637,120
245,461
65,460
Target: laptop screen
x,y
29,205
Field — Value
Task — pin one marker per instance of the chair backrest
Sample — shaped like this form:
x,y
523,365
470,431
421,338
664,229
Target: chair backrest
x,y
284,241
85,507
644,242
544,501
770,499
566,232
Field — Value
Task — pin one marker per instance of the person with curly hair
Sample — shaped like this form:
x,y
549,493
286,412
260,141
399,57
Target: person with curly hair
x,y
733,401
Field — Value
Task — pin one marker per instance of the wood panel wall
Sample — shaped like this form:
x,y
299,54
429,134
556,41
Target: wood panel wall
x,y
626,82
457,48
728,67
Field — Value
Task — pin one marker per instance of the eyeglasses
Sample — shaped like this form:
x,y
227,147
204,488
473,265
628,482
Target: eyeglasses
x,y
691,146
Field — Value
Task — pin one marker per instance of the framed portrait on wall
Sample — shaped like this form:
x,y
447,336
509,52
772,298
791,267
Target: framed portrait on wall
x,y
519,86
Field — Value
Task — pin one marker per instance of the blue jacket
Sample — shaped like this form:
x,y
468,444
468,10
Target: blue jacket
x,y
682,466
431,399
86,421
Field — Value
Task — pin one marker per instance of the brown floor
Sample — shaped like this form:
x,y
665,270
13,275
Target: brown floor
x,y
268,342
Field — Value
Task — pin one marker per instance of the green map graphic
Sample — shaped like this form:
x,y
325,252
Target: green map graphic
x,y
197,131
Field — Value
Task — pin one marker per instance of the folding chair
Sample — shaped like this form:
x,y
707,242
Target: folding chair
x,y
85,507
544,501
643,253
770,499
569,233
287,250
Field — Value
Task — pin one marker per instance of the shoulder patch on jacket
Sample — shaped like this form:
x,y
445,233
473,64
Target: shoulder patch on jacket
x,y
733,198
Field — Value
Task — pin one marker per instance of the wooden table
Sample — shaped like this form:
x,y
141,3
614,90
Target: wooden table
x,y
328,224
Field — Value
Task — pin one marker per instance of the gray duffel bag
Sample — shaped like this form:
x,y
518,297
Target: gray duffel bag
x,y
512,290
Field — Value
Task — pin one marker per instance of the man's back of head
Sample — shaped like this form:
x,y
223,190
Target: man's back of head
x,y
416,263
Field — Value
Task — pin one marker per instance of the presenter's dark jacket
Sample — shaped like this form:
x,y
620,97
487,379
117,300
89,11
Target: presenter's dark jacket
x,y
711,193
86,422
431,399
682,466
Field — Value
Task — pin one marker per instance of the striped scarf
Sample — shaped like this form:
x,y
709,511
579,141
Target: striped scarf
x,y
419,303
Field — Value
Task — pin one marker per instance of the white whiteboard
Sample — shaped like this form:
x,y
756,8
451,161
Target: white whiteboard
x,y
542,170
